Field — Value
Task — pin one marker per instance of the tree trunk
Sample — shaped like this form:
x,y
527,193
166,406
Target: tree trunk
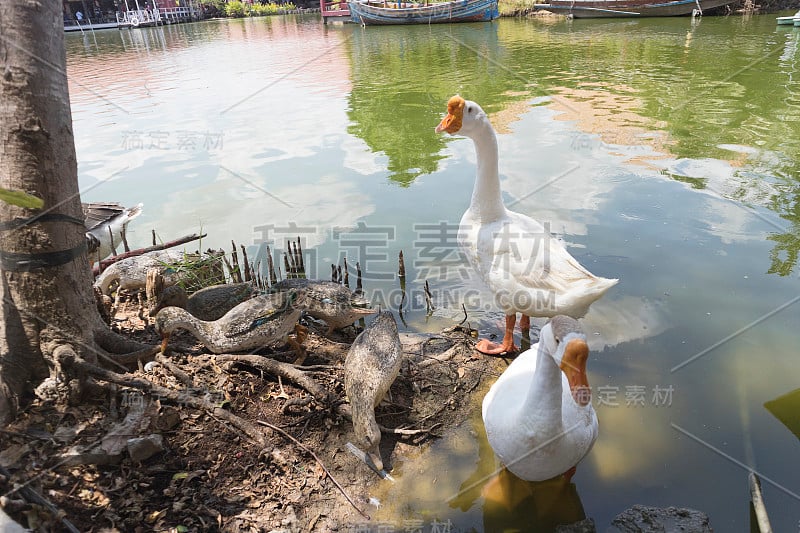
x,y
47,297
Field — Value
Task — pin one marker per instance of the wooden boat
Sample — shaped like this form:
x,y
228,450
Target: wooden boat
x,y
371,12
791,19
629,8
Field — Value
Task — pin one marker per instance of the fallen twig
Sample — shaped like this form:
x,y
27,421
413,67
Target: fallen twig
x,y
102,265
182,376
319,461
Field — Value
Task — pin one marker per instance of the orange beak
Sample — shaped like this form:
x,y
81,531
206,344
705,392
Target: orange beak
x,y
455,114
573,364
164,341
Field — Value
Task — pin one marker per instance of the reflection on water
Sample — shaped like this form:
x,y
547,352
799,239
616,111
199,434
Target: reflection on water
x,y
511,504
501,500
423,65
662,152
786,408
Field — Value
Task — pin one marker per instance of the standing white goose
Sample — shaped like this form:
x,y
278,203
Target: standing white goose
x,y
528,271
538,414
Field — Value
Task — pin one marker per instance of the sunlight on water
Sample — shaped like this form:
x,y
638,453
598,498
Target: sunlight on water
x,y
661,152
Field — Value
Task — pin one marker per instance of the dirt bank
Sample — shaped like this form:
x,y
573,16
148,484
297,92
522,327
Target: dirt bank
x,y
210,475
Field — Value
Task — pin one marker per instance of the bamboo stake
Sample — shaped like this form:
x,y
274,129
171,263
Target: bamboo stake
x,y
300,255
290,268
271,268
113,246
123,234
228,266
428,298
297,268
247,272
237,274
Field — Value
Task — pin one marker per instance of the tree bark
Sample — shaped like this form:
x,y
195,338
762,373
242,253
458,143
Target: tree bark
x,y
43,306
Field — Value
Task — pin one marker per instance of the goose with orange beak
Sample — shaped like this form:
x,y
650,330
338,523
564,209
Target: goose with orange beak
x,y
538,414
528,271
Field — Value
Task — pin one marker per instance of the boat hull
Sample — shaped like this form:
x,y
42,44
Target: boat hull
x,y
628,8
446,12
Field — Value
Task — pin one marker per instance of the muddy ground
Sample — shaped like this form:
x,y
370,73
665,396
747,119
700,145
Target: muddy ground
x,y
210,475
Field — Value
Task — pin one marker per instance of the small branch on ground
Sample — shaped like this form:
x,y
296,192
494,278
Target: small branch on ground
x,y
319,461
182,376
139,251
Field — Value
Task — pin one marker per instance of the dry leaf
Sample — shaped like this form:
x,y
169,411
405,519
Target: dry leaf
x,y
11,455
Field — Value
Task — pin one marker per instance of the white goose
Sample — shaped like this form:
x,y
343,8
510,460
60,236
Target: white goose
x,y
538,415
528,271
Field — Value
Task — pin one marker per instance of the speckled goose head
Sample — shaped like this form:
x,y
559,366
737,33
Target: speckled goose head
x,y
172,296
168,320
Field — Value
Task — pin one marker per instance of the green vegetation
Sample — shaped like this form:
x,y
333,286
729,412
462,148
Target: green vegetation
x,y
21,199
511,8
258,10
397,119
234,9
239,9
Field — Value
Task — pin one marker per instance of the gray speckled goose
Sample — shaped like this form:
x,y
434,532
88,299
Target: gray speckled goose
x,y
337,305
210,303
371,366
252,324
131,273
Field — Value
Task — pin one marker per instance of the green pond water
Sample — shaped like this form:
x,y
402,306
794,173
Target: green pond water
x,y
664,153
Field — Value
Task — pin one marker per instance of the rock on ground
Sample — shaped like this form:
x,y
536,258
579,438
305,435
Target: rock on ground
x,y
642,519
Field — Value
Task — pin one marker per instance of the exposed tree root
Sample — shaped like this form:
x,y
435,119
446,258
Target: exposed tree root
x,y
70,360
115,343
277,368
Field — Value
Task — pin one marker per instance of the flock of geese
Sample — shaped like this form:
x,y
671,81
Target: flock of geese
x,y
538,415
